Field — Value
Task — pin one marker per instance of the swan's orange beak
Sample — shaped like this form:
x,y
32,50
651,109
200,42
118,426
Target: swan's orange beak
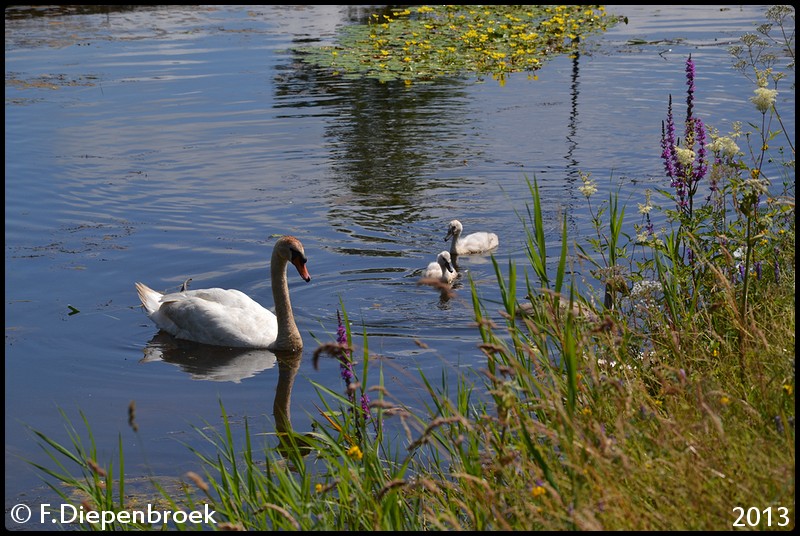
x,y
300,264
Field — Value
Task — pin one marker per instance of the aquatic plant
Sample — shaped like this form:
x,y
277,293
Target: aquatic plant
x,y
423,43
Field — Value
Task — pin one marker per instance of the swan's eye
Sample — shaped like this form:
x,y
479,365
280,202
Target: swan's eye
x,y
296,255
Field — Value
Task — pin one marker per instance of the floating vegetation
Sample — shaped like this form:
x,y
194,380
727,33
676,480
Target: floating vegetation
x,y
423,43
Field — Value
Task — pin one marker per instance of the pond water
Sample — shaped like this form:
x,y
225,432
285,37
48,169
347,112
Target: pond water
x,y
157,144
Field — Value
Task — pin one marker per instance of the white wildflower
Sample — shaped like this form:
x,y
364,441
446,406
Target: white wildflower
x,y
588,188
611,364
764,98
644,289
739,254
685,156
757,186
724,146
647,206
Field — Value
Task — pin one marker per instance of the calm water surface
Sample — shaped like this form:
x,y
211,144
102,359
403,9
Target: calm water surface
x,y
162,143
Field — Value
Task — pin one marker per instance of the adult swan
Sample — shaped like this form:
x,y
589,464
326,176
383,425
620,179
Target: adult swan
x,y
223,317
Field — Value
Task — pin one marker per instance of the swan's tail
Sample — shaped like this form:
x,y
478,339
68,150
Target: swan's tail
x,y
150,298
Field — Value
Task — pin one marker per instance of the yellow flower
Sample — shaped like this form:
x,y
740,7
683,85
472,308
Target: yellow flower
x,y
318,488
355,452
538,490
788,389
725,400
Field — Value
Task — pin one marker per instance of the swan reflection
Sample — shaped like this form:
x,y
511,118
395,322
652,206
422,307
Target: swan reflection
x,y
220,364
205,362
288,365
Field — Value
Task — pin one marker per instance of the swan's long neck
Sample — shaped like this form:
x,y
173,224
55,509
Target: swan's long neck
x,y
288,334
454,243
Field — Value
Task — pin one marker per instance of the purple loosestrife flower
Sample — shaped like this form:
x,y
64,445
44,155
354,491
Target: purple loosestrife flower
x,y
346,367
687,165
365,406
668,144
689,91
695,136
700,139
345,364
341,333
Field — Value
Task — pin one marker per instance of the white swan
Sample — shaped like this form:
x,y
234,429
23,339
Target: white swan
x,y
223,317
479,242
441,269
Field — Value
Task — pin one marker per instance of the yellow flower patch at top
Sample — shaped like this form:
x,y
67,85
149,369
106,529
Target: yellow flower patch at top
x,y
478,40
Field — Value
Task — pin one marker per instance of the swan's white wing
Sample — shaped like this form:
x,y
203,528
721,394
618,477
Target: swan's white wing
x,y
433,270
479,242
217,316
